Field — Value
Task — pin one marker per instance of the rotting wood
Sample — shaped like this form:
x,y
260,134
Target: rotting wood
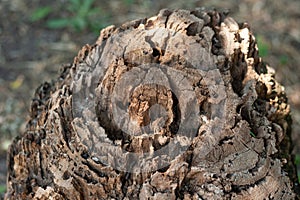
x,y
179,105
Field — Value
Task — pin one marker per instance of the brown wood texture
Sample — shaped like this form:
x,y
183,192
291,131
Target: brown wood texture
x,y
177,106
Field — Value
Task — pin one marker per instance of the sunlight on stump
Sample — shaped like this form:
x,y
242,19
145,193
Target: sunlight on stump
x,y
177,106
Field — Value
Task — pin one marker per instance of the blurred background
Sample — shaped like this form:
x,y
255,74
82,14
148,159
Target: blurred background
x,y
38,36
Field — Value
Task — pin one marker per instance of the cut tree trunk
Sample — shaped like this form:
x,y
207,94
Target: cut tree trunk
x,y
177,106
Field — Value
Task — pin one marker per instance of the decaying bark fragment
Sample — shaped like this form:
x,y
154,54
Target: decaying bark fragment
x,y
179,105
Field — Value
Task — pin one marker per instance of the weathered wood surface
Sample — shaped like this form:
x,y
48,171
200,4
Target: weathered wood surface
x,y
179,105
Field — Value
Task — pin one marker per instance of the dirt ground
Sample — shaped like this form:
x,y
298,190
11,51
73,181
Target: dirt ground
x,y
31,53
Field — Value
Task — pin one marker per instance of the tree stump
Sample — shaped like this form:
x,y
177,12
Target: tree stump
x,y
177,106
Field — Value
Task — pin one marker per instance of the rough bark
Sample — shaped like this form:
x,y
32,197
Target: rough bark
x,y
179,105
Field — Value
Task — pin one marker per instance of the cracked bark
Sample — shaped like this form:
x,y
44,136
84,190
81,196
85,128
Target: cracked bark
x,y
191,81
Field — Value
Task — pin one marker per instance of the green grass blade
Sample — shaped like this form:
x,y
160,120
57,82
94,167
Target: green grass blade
x,y
40,13
58,23
85,7
2,189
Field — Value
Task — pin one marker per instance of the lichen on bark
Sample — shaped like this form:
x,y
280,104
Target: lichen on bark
x,y
177,106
